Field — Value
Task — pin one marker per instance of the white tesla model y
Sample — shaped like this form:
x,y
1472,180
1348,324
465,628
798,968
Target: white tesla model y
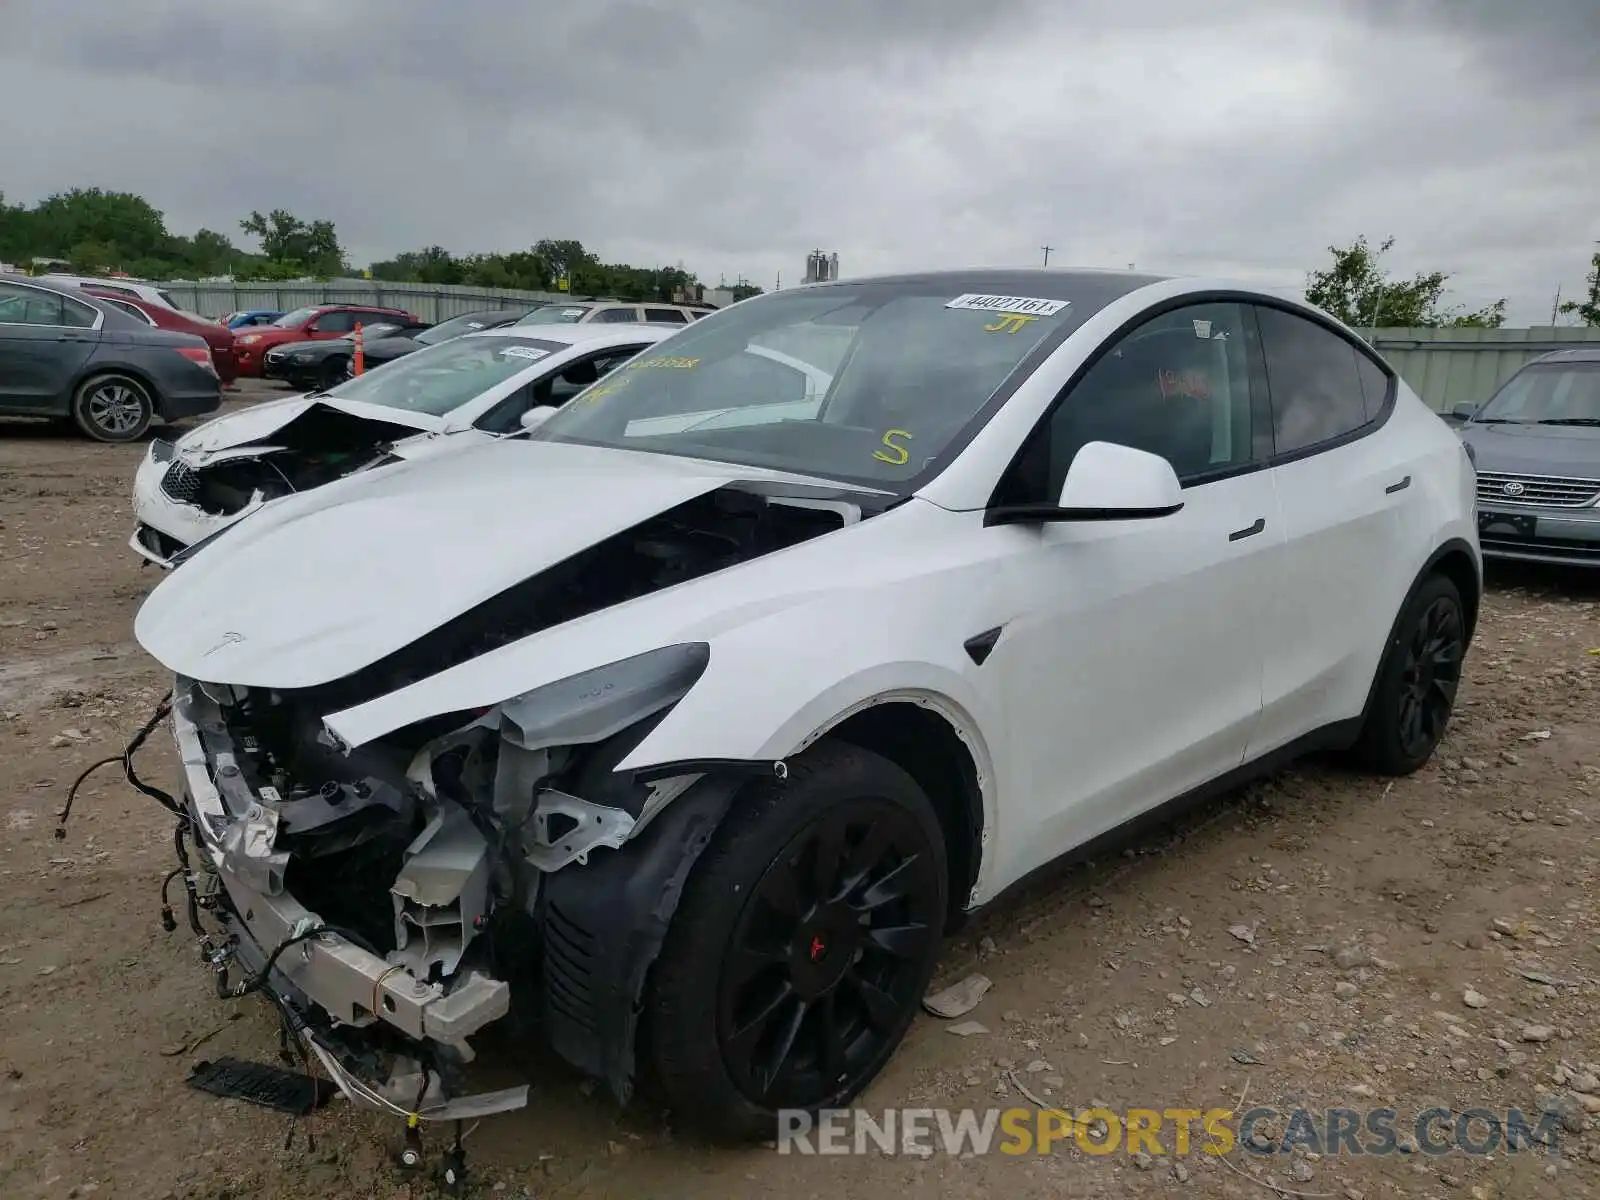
x,y
685,722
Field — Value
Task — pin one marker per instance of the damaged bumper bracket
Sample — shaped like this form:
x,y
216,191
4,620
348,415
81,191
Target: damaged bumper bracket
x,y
354,986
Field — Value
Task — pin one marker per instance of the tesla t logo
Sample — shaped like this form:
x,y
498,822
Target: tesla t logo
x,y
819,948
1513,488
228,639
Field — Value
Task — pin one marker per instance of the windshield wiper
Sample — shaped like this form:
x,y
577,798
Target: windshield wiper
x,y
1569,421
1499,421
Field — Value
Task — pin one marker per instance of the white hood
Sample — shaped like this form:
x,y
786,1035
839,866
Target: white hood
x,y
261,421
317,585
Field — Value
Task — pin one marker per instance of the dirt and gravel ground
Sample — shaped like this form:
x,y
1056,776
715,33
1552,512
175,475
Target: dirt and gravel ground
x,y
1383,939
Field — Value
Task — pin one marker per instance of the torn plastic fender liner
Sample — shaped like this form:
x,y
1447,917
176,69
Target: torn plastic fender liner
x,y
609,918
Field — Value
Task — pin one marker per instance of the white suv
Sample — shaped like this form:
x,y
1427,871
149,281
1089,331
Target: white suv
x,y
616,312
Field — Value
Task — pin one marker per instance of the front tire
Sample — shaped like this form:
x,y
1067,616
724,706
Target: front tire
x,y
1417,681
112,408
334,372
802,947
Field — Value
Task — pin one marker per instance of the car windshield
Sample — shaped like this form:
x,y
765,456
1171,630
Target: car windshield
x,y
1553,394
166,298
439,379
445,330
873,383
298,317
555,314
379,329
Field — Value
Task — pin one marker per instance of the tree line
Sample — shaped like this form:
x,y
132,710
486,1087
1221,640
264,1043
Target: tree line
x,y
95,231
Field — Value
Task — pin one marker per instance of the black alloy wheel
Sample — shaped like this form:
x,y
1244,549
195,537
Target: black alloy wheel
x,y
827,955
333,372
1415,691
1430,676
803,945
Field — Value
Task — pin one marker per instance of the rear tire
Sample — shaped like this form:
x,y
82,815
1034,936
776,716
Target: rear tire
x,y
802,946
1417,681
112,408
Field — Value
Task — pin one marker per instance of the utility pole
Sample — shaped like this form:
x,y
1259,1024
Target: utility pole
x,y
1047,250
1555,306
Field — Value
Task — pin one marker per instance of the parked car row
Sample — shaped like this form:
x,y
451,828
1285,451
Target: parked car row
x,y
159,316
668,693
465,388
70,354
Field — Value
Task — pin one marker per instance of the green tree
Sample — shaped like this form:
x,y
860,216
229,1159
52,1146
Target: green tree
x,y
432,265
743,291
286,239
1586,310
126,224
16,232
1361,293
90,257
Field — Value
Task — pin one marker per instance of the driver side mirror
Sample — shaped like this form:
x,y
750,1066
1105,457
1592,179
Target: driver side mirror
x,y
536,417
1106,482
1463,412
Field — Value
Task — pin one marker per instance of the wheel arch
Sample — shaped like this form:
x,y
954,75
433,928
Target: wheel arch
x,y
1459,562
618,907
97,368
921,736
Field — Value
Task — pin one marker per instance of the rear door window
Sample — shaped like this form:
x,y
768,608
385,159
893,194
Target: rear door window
x,y
335,322
1313,379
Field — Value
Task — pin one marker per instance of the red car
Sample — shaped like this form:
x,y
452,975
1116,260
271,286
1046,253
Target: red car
x,y
310,324
219,338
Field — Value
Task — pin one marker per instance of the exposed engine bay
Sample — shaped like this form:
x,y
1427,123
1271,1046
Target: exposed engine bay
x,y
398,898
319,446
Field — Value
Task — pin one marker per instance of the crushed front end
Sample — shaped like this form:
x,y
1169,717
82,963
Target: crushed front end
x,y
397,899
298,876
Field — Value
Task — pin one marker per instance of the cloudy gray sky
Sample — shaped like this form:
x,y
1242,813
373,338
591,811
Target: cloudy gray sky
x,y
735,135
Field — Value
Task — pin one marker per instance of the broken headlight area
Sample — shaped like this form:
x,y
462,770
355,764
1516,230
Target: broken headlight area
x,y
391,897
318,447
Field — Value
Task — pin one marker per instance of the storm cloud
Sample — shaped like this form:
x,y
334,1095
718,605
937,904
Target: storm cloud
x,y
733,137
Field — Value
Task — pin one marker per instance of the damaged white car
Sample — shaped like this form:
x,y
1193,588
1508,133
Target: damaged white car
x,y
677,731
476,386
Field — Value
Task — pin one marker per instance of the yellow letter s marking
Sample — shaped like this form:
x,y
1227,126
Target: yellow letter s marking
x,y
899,455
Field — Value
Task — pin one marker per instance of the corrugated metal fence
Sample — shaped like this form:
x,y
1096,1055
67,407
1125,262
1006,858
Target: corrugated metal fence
x,y
431,302
1447,367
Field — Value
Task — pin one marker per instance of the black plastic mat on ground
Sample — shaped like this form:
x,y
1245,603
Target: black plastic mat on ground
x,y
259,1083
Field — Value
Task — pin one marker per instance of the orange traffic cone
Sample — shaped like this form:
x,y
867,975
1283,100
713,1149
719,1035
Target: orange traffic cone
x,y
359,363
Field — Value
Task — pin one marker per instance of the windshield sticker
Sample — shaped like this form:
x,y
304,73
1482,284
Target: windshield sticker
x,y
1029,305
1009,323
527,352
897,455
1202,329
681,364
572,312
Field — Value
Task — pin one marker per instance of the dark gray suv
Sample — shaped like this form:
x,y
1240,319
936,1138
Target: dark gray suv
x,y
1536,443
64,353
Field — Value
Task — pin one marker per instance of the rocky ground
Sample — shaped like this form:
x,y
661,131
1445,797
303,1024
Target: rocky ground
x,y
1321,940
